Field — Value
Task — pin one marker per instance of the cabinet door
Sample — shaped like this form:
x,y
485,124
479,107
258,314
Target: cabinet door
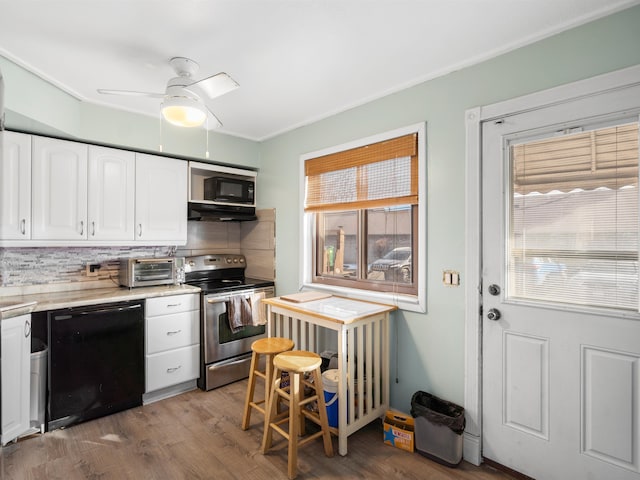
x,y
16,376
161,199
15,186
59,189
171,368
111,193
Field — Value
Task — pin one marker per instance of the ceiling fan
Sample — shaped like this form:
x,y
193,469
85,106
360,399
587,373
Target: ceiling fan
x,y
183,103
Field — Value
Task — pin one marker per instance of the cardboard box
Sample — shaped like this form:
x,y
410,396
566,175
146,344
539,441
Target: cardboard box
x,y
399,430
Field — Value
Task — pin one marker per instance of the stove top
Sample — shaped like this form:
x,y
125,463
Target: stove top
x,y
219,273
215,286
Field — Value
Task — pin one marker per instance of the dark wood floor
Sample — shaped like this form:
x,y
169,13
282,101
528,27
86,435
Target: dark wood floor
x,y
197,435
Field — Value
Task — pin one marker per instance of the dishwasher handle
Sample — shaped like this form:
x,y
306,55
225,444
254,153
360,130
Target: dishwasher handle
x,y
99,310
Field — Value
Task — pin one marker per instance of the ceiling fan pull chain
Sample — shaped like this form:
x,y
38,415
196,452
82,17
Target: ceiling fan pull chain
x,y
160,144
206,153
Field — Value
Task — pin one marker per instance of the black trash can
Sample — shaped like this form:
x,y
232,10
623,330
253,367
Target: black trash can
x,y
439,425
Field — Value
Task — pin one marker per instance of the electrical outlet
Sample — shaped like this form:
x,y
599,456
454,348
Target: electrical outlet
x,y
92,269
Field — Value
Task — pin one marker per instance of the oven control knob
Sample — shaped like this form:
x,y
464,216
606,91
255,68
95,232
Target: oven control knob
x,y
229,260
235,259
241,259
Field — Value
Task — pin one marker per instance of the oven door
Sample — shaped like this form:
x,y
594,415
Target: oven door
x,y
220,342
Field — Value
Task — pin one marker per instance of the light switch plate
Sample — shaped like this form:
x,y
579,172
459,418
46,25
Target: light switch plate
x,y
450,278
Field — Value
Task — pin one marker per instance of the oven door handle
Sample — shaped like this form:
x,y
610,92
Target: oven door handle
x,y
216,300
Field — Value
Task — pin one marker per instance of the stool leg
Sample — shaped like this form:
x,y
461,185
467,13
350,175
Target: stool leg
x,y
246,417
294,422
322,411
268,380
270,411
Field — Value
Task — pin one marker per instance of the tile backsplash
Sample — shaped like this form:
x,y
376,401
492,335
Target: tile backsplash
x,y
25,271
21,267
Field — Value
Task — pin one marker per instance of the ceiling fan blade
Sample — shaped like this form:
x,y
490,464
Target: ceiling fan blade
x,y
130,93
216,85
215,123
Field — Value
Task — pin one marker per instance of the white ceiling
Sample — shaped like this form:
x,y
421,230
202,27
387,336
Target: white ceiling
x,y
296,61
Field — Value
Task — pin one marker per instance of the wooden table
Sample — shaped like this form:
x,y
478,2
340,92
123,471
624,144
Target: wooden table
x,y
362,330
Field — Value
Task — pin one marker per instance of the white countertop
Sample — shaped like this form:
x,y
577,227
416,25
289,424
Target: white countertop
x,y
39,302
11,308
341,309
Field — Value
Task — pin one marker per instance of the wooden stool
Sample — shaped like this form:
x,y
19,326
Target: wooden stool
x,y
296,363
269,347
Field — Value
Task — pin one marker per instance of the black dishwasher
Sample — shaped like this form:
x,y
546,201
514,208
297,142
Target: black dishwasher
x,y
96,361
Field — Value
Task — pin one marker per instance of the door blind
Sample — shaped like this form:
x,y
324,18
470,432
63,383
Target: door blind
x,y
574,218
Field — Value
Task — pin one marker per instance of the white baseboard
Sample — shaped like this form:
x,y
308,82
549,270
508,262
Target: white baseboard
x,y
471,450
168,392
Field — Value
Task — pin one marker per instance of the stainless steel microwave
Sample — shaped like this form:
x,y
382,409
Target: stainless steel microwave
x,y
230,190
145,272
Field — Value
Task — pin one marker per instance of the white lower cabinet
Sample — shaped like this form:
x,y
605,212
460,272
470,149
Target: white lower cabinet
x,y
173,367
16,376
172,345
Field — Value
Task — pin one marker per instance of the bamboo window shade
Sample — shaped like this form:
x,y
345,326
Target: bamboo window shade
x,y
606,157
377,175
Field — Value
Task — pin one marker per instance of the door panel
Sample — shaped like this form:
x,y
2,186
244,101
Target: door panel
x,y
610,425
526,383
561,383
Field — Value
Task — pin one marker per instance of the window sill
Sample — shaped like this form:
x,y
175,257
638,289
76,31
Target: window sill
x,y
410,303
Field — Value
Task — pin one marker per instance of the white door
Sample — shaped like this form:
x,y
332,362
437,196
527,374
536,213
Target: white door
x,y
111,193
161,199
561,329
59,189
15,184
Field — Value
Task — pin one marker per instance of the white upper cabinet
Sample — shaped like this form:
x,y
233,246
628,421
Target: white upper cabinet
x,y
15,186
59,189
111,192
161,199
58,192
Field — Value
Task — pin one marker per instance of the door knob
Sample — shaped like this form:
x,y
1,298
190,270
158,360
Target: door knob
x,y
494,314
494,289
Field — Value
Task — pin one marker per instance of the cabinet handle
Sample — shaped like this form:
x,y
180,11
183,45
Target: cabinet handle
x,y
81,227
175,332
139,229
27,328
174,369
93,229
169,305
23,226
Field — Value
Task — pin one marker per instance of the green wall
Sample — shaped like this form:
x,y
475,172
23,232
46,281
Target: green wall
x,y
36,106
431,346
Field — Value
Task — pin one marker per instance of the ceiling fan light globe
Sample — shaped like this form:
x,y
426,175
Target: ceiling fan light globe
x,y
184,112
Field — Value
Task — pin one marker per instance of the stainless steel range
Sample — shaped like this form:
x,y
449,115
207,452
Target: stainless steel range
x,y
229,317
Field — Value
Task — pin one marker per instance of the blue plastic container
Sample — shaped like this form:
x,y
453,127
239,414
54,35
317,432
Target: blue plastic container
x,y
330,388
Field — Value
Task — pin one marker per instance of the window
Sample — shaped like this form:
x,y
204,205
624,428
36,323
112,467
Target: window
x,y
362,207
574,217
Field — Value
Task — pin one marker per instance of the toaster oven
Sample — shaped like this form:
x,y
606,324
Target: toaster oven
x,y
145,272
